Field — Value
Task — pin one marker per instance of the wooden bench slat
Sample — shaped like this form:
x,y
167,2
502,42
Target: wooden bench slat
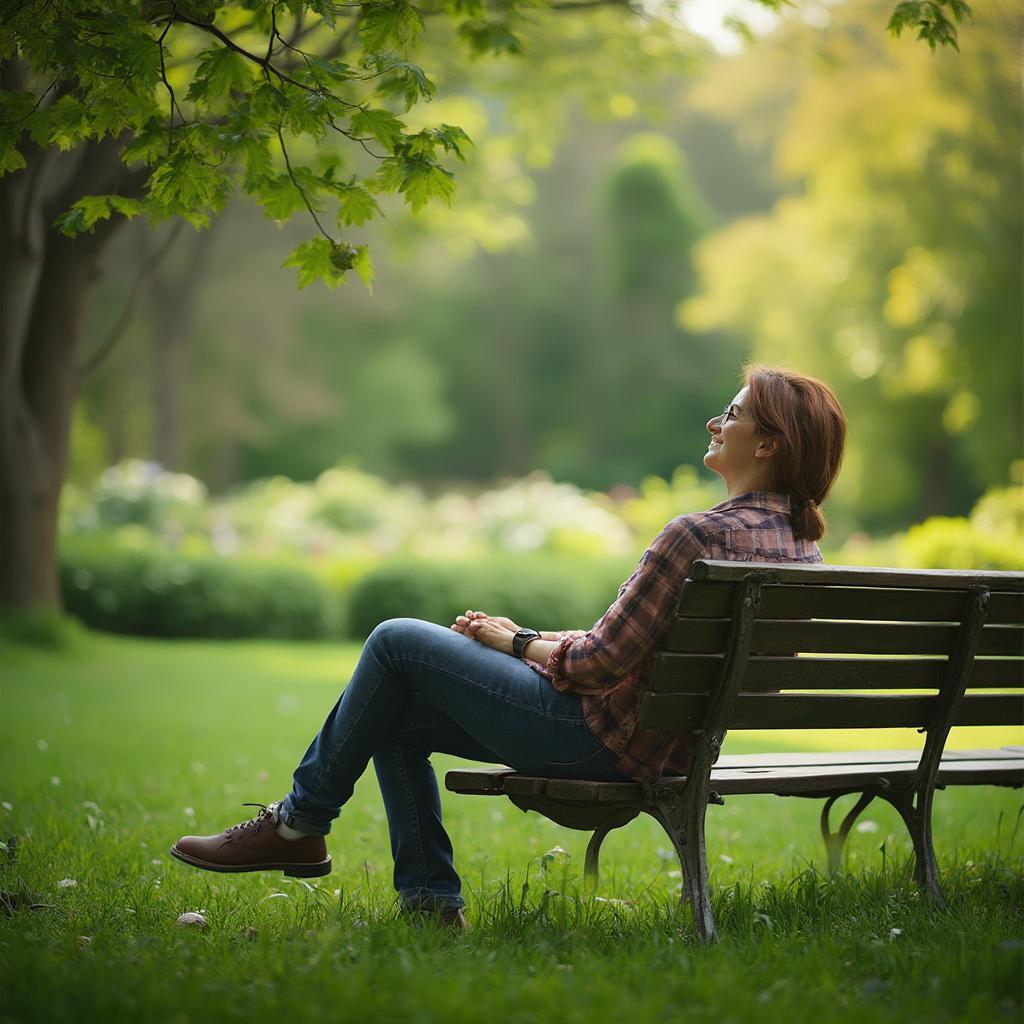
x,y
1000,768
713,600
814,757
859,575
831,711
783,636
697,673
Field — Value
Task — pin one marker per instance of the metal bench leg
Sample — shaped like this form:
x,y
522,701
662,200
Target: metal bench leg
x,y
915,807
616,819
834,841
685,827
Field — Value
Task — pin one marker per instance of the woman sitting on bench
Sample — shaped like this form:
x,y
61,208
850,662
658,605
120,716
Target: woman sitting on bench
x,y
560,704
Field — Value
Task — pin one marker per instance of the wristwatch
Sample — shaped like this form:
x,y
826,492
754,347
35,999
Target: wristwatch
x,y
521,639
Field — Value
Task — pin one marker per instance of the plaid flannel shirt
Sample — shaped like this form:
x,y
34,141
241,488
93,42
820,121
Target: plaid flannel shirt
x,y
608,665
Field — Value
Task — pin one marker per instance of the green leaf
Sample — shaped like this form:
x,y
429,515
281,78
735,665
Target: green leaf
x,y
279,197
71,223
424,181
355,205
328,72
489,37
68,123
149,143
10,160
320,259
403,79
381,125
363,266
93,209
390,175
388,25
219,71
127,207
307,113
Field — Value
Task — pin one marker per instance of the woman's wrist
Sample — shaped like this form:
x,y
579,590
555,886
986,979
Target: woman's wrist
x,y
538,649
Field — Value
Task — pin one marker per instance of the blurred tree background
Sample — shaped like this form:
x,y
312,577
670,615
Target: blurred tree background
x,y
829,198
639,215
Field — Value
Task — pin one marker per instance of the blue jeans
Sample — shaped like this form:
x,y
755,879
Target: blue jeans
x,y
418,689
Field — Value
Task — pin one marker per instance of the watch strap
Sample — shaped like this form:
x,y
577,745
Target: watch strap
x,y
521,639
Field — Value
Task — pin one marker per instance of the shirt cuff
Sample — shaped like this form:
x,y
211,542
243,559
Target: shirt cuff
x,y
553,667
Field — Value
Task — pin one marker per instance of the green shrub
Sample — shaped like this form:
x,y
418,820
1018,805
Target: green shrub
x,y
943,542
42,627
153,593
545,594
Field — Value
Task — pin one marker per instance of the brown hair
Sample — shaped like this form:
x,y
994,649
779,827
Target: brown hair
x,y
805,415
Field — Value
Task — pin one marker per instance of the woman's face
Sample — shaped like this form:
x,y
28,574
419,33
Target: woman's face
x,y
735,442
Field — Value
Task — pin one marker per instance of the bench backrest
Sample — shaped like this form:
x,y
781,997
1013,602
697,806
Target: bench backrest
x,y
942,636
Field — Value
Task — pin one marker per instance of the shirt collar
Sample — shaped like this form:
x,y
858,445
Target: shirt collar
x,y
769,501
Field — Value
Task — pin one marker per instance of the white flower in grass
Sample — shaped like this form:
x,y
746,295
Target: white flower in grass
x,y
725,858
895,933
43,745
8,806
191,919
54,780
156,862
867,826
189,812
67,883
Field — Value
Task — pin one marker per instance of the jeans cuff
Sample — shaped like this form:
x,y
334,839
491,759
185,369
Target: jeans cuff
x,y
293,818
429,903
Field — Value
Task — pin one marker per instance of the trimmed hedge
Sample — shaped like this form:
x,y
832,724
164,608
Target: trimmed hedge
x,y
152,593
544,594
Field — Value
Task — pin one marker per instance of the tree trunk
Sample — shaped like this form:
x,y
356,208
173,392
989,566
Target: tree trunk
x,y
44,290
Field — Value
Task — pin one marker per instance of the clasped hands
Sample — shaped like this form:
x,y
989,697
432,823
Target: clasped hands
x,y
494,631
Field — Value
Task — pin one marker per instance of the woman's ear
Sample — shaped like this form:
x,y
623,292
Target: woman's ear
x,y
767,447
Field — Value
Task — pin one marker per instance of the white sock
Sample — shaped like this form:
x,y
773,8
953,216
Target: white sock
x,y
286,831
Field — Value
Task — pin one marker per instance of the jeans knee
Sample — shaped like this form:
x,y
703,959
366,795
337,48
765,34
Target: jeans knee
x,y
394,635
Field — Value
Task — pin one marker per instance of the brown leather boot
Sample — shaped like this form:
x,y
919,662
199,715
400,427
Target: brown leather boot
x,y
255,845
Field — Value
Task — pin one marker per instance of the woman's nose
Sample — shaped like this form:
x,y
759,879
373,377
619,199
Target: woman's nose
x,y
713,424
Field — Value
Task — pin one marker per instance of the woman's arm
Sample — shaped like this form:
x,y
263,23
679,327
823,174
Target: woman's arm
x,y
626,633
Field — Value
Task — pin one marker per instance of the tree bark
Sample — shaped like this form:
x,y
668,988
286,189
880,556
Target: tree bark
x,y
44,291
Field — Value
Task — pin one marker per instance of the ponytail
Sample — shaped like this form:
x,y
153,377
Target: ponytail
x,y
805,415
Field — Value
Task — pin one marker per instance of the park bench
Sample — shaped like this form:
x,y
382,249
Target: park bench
x,y
760,645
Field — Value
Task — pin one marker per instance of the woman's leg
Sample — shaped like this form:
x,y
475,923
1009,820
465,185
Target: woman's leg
x,y
421,688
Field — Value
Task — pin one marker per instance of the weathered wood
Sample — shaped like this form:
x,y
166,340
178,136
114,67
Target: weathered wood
x,y
711,600
784,636
477,780
832,711
958,768
697,673
858,575
751,627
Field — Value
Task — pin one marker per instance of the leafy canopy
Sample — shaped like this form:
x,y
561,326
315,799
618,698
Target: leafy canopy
x,y
209,96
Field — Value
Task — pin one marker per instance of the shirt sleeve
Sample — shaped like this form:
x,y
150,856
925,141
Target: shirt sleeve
x,y
631,627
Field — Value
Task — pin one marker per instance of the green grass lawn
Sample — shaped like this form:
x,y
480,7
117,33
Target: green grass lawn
x,y
109,754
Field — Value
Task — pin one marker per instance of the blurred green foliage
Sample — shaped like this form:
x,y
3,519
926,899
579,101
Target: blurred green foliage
x,y
830,198
148,592
553,593
892,266
149,552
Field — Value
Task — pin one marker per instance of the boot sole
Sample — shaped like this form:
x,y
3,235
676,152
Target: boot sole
x,y
292,870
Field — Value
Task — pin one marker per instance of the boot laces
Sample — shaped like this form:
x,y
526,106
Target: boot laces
x,y
257,822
